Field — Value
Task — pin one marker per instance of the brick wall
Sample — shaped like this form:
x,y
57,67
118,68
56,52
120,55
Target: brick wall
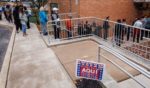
x,y
101,8
113,8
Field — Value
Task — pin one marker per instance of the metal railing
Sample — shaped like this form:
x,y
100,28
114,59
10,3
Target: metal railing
x,y
141,0
66,15
125,60
130,38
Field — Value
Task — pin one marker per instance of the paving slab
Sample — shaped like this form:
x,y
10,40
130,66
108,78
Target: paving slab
x,y
88,50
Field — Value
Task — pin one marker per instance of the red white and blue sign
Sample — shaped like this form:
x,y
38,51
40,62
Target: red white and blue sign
x,y
89,70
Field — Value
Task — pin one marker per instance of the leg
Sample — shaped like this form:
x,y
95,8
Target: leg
x,y
106,34
142,33
19,24
10,18
28,23
134,35
58,31
138,35
55,31
17,28
44,29
128,34
23,30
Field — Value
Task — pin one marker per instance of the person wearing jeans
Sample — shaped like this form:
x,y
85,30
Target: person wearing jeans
x,y
23,18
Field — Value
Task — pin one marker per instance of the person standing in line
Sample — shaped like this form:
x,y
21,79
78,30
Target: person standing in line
x,y
4,11
106,27
43,20
8,13
136,32
16,17
80,28
56,22
118,31
23,18
87,28
128,33
28,16
98,30
124,29
69,26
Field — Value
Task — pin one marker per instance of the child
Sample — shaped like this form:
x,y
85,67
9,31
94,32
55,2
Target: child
x,y
23,19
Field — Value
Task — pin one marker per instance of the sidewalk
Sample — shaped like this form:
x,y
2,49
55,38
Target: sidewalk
x,y
34,65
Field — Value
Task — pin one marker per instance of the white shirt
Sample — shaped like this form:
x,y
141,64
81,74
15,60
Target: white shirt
x,y
139,24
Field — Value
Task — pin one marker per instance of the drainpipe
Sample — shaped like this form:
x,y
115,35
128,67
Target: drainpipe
x,y
70,10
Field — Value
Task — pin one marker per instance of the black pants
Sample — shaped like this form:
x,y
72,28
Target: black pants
x,y
80,31
142,34
136,34
105,33
118,39
10,18
69,34
18,25
88,31
56,32
128,34
28,23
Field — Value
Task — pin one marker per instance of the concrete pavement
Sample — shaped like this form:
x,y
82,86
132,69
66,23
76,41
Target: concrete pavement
x,y
34,65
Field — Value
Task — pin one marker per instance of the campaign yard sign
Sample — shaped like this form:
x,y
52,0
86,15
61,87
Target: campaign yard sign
x,y
89,70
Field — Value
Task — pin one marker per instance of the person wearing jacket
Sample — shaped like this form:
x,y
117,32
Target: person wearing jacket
x,y
69,26
56,22
17,21
43,20
80,28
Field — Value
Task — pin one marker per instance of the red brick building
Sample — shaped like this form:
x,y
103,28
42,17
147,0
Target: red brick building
x,y
100,8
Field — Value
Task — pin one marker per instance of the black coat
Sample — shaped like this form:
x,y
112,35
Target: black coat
x,y
16,15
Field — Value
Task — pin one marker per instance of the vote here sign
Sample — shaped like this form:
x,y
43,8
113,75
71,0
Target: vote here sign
x,y
89,70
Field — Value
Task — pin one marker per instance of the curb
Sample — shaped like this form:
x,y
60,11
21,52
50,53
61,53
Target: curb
x,y
7,59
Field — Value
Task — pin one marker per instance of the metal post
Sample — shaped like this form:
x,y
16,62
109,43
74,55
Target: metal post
x,y
99,54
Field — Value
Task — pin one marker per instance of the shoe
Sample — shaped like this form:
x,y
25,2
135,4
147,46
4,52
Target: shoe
x,y
46,34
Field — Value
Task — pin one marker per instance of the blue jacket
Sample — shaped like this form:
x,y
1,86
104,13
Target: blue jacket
x,y
43,17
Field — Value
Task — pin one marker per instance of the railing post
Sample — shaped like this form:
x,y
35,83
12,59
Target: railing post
x,y
99,54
